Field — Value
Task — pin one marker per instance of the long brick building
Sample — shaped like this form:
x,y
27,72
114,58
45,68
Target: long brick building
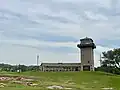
x,y
60,67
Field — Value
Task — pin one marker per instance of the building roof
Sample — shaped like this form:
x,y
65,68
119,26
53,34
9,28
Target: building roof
x,y
86,42
60,64
86,39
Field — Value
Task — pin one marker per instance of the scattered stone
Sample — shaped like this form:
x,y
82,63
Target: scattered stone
x,y
55,87
68,88
107,88
19,78
34,84
27,79
58,87
17,82
29,83
23,79
5,78
2,85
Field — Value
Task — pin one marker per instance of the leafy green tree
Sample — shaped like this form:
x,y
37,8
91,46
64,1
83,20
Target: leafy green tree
x,y
111,61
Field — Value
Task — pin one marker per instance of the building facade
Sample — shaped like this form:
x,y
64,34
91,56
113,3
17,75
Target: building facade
x,y
53,67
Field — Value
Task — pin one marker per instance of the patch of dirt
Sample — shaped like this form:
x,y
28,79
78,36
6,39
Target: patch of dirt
x,y
17,80
57,87
8,78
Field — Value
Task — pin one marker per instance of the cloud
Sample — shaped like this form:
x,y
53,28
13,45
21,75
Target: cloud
x,y
92,16
55,27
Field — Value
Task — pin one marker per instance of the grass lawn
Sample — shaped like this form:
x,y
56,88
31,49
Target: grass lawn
x,y
68,80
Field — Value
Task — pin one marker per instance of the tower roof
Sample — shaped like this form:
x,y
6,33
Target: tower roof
x,y
86,42
86,38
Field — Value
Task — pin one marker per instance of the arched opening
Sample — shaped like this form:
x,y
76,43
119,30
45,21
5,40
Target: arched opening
x,y
76,69
86,68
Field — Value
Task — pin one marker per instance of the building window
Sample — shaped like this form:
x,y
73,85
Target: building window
x,y
88,61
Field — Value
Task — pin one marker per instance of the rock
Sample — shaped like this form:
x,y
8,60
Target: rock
x,y
107,88
17,82
68,88
58,87
55,87
31,84
2,85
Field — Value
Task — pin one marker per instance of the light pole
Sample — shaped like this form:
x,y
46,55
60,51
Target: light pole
x,y
37,60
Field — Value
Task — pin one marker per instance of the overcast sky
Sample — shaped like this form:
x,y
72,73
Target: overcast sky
x,y
52,29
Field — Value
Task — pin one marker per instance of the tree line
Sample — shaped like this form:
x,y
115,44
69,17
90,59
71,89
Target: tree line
x,y
17,68
110,62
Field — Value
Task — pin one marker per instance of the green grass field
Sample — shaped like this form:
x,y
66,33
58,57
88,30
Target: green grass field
x,y
71,80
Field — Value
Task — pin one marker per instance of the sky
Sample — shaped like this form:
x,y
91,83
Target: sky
x,y
53,28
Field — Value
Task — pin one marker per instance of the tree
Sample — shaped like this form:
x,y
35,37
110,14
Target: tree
x,y
111,61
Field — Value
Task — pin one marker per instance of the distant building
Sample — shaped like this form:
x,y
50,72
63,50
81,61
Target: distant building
x,y
60,67
87,59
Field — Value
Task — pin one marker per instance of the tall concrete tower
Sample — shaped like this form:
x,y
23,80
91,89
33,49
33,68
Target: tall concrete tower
x,y
87,54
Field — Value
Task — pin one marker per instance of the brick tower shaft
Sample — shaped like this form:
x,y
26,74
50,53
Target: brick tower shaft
x,y
87,54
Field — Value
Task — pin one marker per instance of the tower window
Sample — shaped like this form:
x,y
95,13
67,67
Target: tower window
x,y
88,61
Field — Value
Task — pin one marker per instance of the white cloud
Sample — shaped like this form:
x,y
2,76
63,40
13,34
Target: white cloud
x,y
36,43
22,20
94,16
101,49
